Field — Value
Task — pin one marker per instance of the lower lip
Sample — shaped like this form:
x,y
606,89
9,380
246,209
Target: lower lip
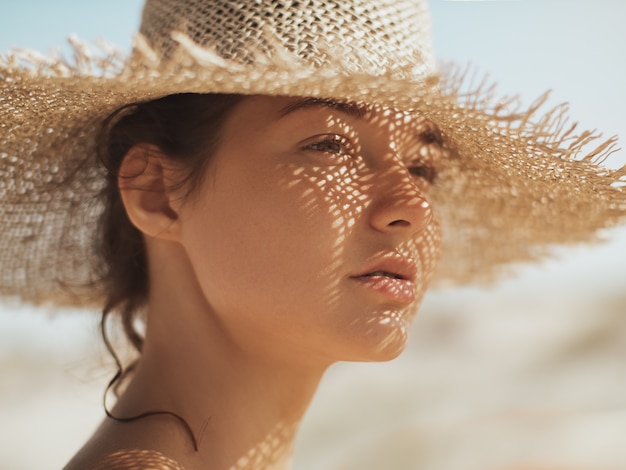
x,y
399,290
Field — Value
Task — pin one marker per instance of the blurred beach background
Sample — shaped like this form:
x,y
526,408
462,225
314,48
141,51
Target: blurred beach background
x,y
528,374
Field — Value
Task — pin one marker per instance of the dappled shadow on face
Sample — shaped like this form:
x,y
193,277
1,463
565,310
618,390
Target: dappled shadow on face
x,y
363,188
314,241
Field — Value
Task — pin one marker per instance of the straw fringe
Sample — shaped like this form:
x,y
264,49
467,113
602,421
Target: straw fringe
x,y
525,177
87,60
550,128
547,185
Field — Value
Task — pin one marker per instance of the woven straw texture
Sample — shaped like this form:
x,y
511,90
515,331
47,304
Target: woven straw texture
x,y
516,180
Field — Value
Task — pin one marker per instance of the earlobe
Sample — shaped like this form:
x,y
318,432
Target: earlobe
x,y
144,181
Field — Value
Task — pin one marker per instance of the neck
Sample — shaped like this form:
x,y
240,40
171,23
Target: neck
x,y
242,407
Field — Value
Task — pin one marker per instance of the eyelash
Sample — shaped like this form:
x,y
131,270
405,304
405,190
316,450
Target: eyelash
x,y
418,168
343,145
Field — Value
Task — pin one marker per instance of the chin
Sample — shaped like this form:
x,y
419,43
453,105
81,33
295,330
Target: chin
x,y
391,347
383,341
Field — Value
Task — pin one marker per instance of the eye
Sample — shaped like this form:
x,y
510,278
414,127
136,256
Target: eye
x,y
429,150
422,170
331,144
427,133
431,137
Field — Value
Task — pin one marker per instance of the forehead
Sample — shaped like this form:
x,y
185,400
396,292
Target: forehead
x,y
277,108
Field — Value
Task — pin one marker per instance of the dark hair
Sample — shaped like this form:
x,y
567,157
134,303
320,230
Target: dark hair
x,y
186,127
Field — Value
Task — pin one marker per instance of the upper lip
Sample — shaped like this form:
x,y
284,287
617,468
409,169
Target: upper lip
x,y
394,264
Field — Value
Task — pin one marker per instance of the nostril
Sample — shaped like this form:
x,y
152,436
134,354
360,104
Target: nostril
x,y
399,223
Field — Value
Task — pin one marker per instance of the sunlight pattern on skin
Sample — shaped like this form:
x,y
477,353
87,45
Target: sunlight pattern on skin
x,y
263,455
351,190
137,459
267,452
347,190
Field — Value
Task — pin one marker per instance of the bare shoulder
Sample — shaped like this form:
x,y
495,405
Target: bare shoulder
x,y
125,446
126,459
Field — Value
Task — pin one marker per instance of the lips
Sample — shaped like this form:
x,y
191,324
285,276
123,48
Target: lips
x,y
383,273
392,265
391,276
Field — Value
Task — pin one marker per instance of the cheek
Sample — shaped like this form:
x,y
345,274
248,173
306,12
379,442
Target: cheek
x,y
270,243
428,246
271,260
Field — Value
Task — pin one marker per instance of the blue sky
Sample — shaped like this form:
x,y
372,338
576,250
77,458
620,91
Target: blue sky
x,y
577,48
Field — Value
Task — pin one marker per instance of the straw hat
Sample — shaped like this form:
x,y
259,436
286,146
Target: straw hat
x,y
516,180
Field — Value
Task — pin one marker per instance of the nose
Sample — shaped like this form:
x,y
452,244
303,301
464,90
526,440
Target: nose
x,y
399,205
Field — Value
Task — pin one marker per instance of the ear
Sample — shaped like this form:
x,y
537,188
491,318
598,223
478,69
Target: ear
x,y
144,181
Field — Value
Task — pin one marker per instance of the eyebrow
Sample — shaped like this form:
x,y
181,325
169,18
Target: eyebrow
x,y
350,108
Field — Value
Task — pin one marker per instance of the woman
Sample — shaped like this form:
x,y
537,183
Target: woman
x,y
293,253
302,234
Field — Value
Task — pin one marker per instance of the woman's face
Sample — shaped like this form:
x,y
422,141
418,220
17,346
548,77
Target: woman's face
x,y
311,236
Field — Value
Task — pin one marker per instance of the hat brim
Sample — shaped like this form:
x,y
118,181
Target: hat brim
x,y
515,182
